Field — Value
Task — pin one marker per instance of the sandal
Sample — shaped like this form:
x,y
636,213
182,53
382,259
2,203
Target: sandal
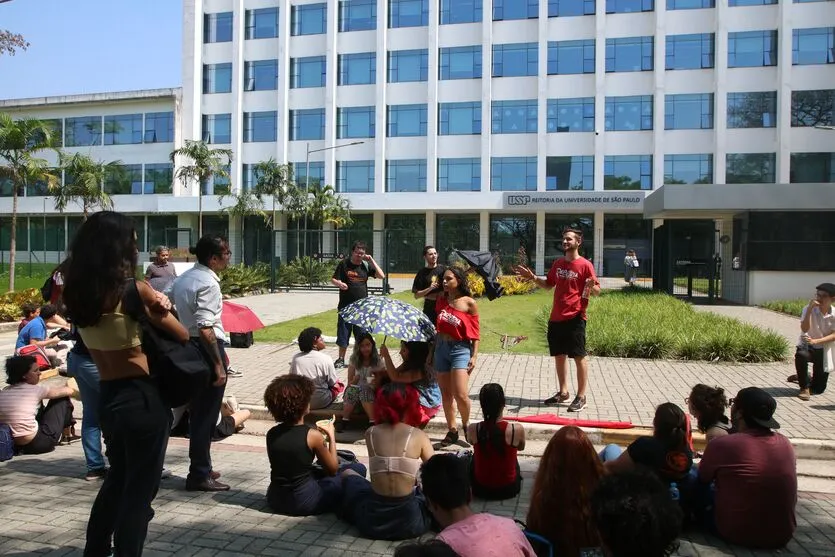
x,y
450,439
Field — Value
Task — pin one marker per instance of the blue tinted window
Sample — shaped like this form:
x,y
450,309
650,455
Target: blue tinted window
x,y
459,174
406,120
408,65
125,179
355,121
262,23
459,118
357,15
571,57
83,131
688,112
752,49
569,173
809,168
629,6
629,113
357,69
570,8
570,115
461,62
752,110
813,46
513,174
516,59
307,124
750,168
217,128
515,9
355,176
248,177
317,173
460,11
688,169
159,127
261,75
690,52
308,19
123,130
514,116
260,126
217,28
307,72
630,54
627,172
813,108
159,178
690,4
406,175
217,78
408,13
733,3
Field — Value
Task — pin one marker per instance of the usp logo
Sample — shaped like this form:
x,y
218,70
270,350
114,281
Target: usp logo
x,y
518,199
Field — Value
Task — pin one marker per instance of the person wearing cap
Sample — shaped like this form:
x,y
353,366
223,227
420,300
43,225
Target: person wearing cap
x,y
817,343
754,471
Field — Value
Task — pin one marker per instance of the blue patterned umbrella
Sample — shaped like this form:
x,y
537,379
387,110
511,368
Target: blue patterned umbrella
x,y
387,316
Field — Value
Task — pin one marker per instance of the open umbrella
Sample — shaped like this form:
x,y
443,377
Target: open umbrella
x,y
487,266
237,318
387,316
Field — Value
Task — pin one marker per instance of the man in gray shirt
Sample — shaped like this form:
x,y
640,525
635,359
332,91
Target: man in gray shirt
x,y
316,366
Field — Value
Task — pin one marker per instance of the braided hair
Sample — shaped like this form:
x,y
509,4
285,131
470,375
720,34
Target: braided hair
x,y
492,402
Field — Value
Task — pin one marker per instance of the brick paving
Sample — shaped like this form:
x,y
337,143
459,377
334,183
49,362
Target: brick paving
x,y
46,505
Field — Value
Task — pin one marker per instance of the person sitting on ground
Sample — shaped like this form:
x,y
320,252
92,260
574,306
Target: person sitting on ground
x,y
667,452
316,366
816,344
707,404
429,548
35,430
35,332
363,364
417,372
297,487
495,469
388,507
230,420
30,311
635,515
755,475
560,508
446,485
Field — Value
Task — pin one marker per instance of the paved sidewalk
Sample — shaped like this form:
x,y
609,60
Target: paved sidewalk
x,y
46,505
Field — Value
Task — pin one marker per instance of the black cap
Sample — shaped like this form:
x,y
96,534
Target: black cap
x,y
827,287
757,407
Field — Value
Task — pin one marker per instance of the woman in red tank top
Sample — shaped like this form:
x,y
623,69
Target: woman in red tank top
x,y
495,472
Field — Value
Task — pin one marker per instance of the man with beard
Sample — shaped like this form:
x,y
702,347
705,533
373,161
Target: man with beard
x,y
427,283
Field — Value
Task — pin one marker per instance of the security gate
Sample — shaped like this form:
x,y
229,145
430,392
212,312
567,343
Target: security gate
x,y
687,263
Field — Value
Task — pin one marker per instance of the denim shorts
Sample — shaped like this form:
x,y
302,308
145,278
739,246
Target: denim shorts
x,y
452,354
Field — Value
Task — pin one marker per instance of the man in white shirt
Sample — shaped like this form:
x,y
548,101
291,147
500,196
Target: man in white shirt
x,y
316,366
815,346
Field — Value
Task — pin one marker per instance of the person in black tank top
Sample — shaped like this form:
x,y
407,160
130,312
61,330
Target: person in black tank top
x,y
298,487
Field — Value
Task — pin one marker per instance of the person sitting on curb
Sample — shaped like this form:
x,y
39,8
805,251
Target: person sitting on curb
x,y
755,475
297,487
230,420
817,343
417,372
35,430
707,404
635,515
35,332
495,469
30,311
364,363
446,485
310,362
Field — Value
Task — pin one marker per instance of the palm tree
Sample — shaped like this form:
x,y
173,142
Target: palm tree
x,y
326,206
276,181
20,140
84,182
246,203
206,164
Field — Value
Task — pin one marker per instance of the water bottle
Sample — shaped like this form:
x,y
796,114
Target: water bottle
x,y
587,289
674,493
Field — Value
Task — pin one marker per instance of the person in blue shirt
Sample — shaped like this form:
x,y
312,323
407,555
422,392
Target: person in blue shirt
x,y
35,332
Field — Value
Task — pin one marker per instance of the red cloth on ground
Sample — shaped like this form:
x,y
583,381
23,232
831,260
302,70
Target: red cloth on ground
x,y
553,419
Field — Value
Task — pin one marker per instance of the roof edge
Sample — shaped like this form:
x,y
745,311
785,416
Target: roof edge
x,y
141,94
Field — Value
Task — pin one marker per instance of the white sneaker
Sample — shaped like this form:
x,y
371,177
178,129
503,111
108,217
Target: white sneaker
x,y
232,402
232,372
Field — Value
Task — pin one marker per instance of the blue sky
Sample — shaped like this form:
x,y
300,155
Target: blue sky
x,y
90,46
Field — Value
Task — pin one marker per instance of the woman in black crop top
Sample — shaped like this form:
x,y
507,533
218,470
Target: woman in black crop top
x,y
297,487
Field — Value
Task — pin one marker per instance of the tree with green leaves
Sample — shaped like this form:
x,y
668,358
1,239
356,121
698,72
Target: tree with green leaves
x,y
206,163
84,179
20,141
245,203
275,181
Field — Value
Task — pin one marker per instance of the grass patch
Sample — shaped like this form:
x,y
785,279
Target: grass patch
x,y
633,323
789,307
699,284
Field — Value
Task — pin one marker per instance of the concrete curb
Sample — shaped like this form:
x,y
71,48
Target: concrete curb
x,y
8,326
805,449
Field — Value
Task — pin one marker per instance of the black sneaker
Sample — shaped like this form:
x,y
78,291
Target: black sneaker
x,y
339,363
450,439
98,474
578,404
557,398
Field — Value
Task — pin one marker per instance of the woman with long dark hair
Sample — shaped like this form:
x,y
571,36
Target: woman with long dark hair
x,y
134,419
708,404
456,349
495,470
416,372
560,508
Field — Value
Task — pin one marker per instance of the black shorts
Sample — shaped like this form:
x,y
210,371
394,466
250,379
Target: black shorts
x,y
567,337
224,429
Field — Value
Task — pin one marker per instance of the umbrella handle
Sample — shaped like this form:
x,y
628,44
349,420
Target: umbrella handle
x,y
384,339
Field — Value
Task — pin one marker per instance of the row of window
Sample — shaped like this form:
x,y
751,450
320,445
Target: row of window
x,y
120,129
361,15
126,179
633,113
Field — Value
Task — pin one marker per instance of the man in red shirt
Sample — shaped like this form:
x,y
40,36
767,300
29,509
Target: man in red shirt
x,y
573,280
755,475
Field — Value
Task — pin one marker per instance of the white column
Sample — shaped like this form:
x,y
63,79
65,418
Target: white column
x,y
281,239
486,95
539,242
430,228
599,93
542,102
598,242
380,95
782,171
332,30
659,64
328,244
283,93
238,30
379,223
432,103
484,227
720,88
191,117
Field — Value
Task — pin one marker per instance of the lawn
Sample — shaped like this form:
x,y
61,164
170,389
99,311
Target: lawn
x,y
635,323
26,276
790,307
699,284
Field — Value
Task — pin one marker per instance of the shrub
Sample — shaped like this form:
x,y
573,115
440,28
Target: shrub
x,y
514,285
476,284
240,280
9,312
790,307
306,271
20,297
